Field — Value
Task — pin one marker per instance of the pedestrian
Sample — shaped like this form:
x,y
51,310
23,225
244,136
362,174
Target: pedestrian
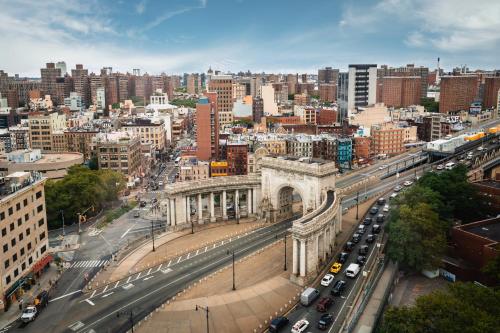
x,y
21,304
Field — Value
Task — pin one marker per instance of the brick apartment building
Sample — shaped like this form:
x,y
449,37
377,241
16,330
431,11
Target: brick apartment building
x,y
457,93
400,91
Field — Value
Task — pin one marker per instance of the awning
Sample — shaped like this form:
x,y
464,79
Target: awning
x,y
41,263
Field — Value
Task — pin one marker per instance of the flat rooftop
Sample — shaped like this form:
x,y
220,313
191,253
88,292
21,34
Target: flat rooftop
x,y
490,231
305,160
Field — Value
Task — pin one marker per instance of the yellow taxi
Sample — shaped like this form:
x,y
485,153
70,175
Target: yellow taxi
x,y
336,267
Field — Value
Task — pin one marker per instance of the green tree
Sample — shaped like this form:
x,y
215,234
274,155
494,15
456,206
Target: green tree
x,y
115,105
492,269
463,307
421,194
93,163
429,104
417,238
189,103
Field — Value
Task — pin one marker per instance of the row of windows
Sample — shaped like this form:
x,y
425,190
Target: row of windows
x,y
8,278
10,210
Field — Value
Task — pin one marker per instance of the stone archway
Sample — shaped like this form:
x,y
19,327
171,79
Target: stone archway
x,y
289,203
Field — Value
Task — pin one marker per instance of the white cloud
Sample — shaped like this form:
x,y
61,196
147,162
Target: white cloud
x,y
415,39
141,7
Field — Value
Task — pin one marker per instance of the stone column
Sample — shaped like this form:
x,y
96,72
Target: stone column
x,y
302,257
237,203
339,218
200,209
326,248
295,266
224,206
212,207
249,202
188,209
254,201
167,211
172,212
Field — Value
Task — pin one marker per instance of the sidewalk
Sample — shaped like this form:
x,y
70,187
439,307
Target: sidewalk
x,y
170,245
43,283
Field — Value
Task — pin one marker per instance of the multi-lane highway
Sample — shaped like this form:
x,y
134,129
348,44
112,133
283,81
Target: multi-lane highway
x,y
144,291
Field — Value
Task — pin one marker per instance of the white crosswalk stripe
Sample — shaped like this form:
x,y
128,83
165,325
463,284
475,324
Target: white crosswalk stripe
x,y
88,263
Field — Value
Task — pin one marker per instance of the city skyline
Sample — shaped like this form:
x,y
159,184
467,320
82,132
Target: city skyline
x,y
191,35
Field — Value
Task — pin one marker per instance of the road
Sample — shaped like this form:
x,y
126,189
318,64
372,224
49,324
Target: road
x,y
144,291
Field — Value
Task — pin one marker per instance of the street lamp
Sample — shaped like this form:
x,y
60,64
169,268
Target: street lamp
x,y
153,235
285,251
206,311
357,205
228,252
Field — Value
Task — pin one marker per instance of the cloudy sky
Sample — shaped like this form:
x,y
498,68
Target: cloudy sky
x,y
175,36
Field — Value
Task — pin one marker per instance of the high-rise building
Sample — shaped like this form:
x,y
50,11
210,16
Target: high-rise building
x,y
342,95
193,84
24,228
237,158
291,81
123,87
408,70
327,92
400,91
491,89
49,75
362,89
112,90
100,101
81,83
96,82
62,66
207,128
257,109
223,86
328,75
41,129
457,93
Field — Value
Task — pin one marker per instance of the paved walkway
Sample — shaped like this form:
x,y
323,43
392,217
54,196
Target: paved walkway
x,y
171,245
43,283
257,297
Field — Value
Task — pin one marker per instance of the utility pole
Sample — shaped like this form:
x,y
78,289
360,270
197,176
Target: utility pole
x,y
130,318
234,285
357,205
153,234
206,311
62,217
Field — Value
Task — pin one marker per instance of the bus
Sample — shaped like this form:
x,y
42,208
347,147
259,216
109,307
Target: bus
x,y
177,161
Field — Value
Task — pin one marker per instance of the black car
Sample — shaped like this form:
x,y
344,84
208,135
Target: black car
x,y
363,249
376,229
142,204
278,323
356,238
381,201
370,238
380,218
349,246
367,221
361,260
343,257
338,288
325,321
374,210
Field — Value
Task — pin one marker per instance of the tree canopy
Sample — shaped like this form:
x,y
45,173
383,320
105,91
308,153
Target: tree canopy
x,y
79,189
429,104
463,307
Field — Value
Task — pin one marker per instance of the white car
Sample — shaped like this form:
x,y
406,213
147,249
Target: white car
x,y
382,167
29,314
160,183
440,167
480,148
408,183
327,279
300,326
386,209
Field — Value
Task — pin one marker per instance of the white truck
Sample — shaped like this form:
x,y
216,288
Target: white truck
x,y
352,271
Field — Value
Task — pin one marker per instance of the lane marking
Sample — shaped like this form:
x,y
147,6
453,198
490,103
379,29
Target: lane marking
x,y
206,248
90,302
127,286
188,256
197,251
106,295
147,278
138,275
129,278
126,232
169,263
76,326
166,270
116,285
93,294
159,267
66,295
149,272
105,288
178,260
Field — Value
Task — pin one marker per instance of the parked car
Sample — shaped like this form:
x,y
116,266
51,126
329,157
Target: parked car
x,y
440,167
338,288
363,249
394,195
367,221
349,246
137,213
398,188
336,267
386,209
381,201
374,210
370,238
324,304
408,183
380,218
361,229
29,314
277,324
376,229
300,326
327,279
343,257
352,270
325,321
360,260
356,238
